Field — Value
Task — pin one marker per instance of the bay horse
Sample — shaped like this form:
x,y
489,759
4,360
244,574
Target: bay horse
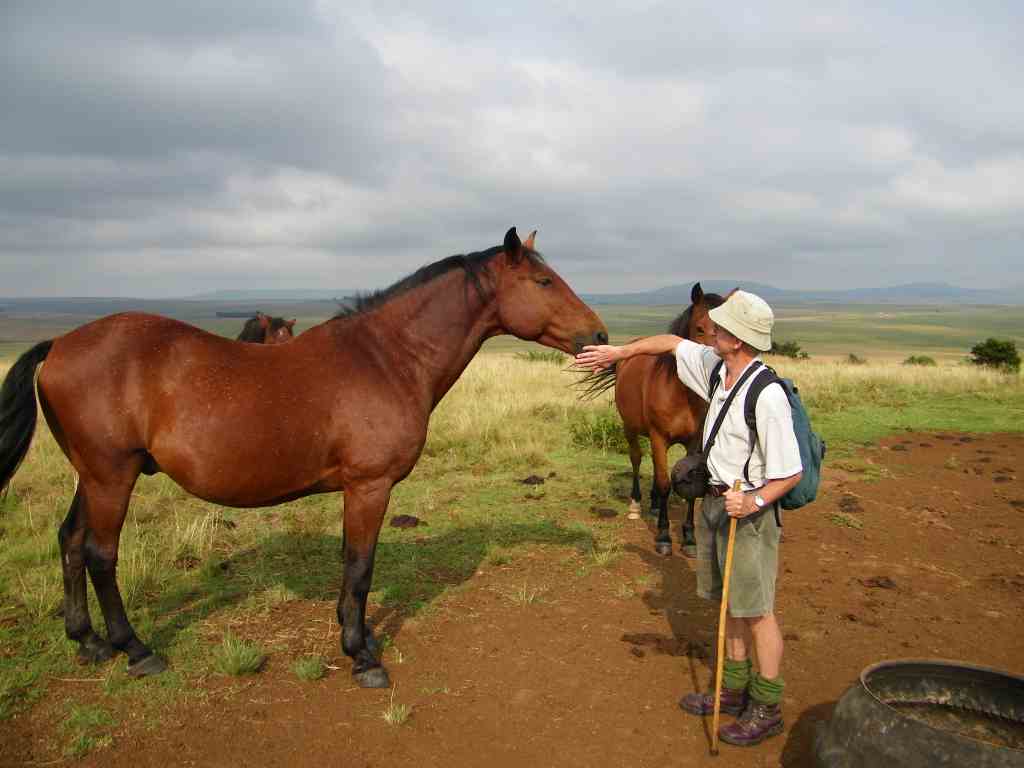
x,y
263,329
654,403
134,393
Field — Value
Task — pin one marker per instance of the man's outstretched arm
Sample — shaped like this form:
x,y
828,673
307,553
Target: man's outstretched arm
x,y
604,355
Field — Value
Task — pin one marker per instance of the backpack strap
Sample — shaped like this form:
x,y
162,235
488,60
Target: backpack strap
x,y
728,401
749,410
713,384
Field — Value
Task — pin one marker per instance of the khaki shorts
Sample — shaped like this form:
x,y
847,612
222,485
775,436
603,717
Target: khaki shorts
x,y
755,558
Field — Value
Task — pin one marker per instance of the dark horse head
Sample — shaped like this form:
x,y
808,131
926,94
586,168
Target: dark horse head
x,y
264,329
694,323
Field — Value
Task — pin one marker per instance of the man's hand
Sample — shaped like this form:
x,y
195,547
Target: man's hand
x,y
739,504
599,357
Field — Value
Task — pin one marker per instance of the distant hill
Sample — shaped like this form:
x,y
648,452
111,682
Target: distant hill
x,y
911,293
275,294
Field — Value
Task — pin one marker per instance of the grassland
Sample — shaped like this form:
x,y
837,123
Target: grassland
x,y
875,332
191,572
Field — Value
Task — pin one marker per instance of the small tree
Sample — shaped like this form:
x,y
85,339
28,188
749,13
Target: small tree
x,y
787,349
996,353
919,360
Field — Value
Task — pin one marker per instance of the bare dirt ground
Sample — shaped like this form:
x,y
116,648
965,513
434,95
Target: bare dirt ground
x,y
918,556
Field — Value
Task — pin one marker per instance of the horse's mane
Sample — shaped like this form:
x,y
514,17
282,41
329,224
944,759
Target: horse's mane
x,y
598,382
681,327
475,265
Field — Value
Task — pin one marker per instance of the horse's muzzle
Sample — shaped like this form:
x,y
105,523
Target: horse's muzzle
x,y
595,339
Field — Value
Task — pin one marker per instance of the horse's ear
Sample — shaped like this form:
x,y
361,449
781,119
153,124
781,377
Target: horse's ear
x,y
513,248
264,320
697,294
528,245
290,323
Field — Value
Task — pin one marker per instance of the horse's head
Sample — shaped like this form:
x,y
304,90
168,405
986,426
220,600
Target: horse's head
x,y
695,323
276,330
534,303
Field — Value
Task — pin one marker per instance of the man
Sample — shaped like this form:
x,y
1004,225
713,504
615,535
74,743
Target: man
x,y
743,326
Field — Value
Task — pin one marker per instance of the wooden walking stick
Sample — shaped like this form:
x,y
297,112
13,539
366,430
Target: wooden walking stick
x,y
720,663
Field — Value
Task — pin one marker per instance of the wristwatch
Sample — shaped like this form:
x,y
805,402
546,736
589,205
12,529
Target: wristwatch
x,y
759,502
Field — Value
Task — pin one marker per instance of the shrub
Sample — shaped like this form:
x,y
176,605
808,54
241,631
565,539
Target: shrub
x,y
601,429
853,359
996,353
919,360
788,349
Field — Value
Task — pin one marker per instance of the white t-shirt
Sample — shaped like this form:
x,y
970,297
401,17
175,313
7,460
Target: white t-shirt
x,y
776,455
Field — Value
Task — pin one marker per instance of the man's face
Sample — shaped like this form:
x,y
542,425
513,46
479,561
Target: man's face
x,y
724,342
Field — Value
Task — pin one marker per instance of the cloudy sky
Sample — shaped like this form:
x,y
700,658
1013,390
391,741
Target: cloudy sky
x,y
160,149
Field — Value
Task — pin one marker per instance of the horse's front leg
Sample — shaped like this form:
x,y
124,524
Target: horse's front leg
x,y
635,457
365,505
659,492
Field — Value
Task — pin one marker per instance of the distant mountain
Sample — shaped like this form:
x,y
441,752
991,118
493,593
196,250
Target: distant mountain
x,y
275,294
911,293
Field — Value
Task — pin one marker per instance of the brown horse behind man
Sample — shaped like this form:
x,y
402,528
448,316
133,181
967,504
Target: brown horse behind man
x,y
654,403
135,394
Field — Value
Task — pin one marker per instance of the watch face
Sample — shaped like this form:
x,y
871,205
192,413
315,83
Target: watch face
x,y
759,501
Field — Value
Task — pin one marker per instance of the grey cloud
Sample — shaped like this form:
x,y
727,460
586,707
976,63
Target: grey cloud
x,y
173,148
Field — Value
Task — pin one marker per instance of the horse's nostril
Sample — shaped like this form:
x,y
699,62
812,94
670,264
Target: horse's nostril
x,y
602,337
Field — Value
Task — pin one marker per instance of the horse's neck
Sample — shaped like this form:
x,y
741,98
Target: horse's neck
x,y
438,328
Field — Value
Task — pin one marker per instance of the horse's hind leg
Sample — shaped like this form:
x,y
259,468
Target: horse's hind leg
x,y
106,506
688,545
689,539
659,492
91,647
636,455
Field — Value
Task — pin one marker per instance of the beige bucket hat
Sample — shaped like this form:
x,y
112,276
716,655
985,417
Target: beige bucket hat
x,y
747,317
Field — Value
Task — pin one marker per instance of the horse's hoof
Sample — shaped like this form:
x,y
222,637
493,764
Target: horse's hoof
x,y
374,677
689,550
150,665
663,548
95,651
634,507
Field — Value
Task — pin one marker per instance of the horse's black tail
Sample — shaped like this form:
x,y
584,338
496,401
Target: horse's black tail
x,y
18,410
596,383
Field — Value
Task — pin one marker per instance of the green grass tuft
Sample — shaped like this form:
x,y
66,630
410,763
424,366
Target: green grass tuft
x,y
88,726
396,714
310,668
237,657
844,520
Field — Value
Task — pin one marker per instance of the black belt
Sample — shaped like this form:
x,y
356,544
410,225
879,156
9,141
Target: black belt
x,y
721,490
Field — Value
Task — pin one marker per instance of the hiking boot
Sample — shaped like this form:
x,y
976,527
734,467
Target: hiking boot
x,y
733,702
757,723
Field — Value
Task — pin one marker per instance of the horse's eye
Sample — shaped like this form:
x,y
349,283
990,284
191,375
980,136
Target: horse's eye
x,y
545,281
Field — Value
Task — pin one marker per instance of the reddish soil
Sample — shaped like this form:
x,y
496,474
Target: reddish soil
x,y
587,675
